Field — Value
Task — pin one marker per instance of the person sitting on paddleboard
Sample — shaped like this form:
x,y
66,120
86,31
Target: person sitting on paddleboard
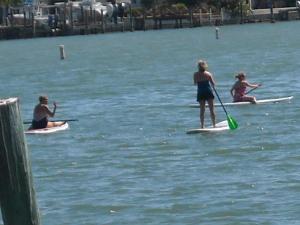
x,y
238,90
41,114
204,79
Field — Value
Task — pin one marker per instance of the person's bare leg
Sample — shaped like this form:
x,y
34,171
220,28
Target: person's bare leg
x,y
212,112
202,112
55,124
251,99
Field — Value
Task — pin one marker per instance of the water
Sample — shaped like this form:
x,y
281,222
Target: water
x,y
128,159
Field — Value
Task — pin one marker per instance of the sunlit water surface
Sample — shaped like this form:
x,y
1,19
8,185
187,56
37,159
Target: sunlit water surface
x,y
128,160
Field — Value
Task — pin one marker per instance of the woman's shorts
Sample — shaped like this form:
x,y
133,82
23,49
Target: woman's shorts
x,y
205,96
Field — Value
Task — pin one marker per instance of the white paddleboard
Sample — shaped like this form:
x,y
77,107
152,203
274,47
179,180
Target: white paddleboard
x,y
222,126
48,130
262,101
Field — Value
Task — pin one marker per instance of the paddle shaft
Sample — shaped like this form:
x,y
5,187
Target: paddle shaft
x,y
220,100
68,120
250,90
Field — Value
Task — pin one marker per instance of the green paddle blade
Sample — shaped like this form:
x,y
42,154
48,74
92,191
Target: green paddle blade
x,y
232,123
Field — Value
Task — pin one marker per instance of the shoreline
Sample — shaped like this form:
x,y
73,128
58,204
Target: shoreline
x,y
128,24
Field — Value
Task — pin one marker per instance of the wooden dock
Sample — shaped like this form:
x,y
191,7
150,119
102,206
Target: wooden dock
x,y
90,24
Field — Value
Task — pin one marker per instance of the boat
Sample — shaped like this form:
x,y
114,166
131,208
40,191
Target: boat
x,y
101,9
262,101
221,126
48,130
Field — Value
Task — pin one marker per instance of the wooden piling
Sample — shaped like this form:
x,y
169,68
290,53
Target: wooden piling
x,y
200,17
222,15
17,195
62,52
272,12
217,33
191,18
102,22
33,25
144,20
71,17
24,19
131,19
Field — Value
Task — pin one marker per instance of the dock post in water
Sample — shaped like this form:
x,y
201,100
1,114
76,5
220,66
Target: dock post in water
x,y
144,20
17,195
200,17
272,12
210,16
62,52
131,18
217,33
102,22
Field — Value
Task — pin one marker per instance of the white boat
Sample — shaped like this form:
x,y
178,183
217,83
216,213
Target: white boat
x,y
262,101
98,7
48,130
222,126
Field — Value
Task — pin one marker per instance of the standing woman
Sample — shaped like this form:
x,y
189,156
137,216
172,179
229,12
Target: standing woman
x,y
41,114
204,79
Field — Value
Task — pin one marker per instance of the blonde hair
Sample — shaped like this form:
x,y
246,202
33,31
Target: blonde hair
x,y
202,65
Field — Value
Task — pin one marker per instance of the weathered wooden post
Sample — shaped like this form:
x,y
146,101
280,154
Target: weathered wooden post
x,y
160,18
200,17
102,22
65,17
62,52
33,25
12,20
217,33
86,26
222,15
24,19
94,16
210,16
71,17
131,19
17,195
272,11
191,18
180,19
241,12
154,18
144,20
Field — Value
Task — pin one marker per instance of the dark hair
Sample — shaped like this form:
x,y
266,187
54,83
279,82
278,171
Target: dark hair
x,y
43,98
240,75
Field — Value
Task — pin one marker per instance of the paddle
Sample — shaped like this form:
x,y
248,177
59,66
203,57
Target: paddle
x,y
231,121
68,120
252,90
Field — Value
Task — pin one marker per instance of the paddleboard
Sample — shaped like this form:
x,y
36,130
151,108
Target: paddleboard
x,y
48,130
222,126
262,101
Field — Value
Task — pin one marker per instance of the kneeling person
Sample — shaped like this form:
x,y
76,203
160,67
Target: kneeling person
x,y
41,114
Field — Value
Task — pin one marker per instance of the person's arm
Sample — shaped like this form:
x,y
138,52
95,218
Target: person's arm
x,y
232,90
252,85
211,79
195,78
48,111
